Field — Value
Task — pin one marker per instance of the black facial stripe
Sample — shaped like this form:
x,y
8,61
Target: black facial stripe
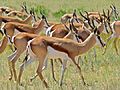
x,y
100,41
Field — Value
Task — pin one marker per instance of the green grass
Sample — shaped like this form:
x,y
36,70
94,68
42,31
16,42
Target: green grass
x,y
106,74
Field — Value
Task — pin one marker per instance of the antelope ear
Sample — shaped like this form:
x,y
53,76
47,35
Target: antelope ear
x,y
74,13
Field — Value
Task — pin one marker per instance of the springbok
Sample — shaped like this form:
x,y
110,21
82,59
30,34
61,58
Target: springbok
x,y
12,12
61,48
21,38
114,27
115,33
20,43
83,33
12,28
13,19
22,13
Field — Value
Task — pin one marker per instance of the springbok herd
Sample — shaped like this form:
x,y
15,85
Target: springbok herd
x,y
69,39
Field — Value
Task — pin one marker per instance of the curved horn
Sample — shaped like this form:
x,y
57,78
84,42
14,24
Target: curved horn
x,y
101,41
74,13
75,16
83,16
87,14
104,13
108,13
66,27
25,7
33,13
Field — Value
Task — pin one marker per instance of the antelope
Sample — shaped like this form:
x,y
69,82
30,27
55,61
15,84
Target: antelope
x,y
114,27
115,33
22,13
60,28
9,30
12,12
20,42
96,15
12,19
24,38
66,17
66,48
83,33
19,39
5,9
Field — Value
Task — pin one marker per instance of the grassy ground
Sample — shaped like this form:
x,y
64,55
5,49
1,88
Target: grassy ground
x,y
106,74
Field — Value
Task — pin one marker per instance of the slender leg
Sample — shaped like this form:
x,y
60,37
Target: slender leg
x,y
115,45
25,59
95,56
39,72
32,78
12,55
107,44
60,60
12,62
10,69
10,66
63,71
43,68
11,48
79,58
22,67
53,75
13,65
45,64
79,68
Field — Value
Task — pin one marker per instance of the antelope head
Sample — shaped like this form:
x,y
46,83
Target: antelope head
x,y
45,19
114,10
97,33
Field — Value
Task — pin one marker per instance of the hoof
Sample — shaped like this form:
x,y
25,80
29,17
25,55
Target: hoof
x,y
86,84
31,79
10,78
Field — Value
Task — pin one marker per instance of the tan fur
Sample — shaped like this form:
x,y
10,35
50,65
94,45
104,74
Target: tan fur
x,y
3,44
10,27
115,26
40,44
